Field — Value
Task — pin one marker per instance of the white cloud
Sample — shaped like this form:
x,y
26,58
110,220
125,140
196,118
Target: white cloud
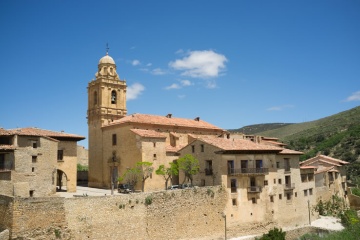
x,y
279,108
181,96
135,62
180,51
183,83
354,97
149,64
200,64
158,71
173,86
134,91
186,83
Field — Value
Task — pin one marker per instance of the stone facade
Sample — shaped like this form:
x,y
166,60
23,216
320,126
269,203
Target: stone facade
x,y
263,182
33,161
82,156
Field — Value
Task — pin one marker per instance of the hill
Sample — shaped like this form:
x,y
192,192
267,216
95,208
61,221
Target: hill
x,y
256,128
336,136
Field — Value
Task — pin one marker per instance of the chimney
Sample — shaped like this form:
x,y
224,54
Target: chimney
x,y
197,119
169,115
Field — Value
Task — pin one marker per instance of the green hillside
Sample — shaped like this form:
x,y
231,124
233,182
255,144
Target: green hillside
x,y
253,129
337,136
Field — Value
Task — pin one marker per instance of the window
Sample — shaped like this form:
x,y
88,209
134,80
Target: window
x,y
288,196
295,194
234,202
310,191
277,164
305,192
303,177
202,147
60,155
259,163
31,193
253,200
34,159
265,182
192,148
154,156
280,196
113,97
287,164
2,161
233,185
244,166
208,167
32,169
274,181
34,144
271,198
114,139
230,164
279,180
311,177
154,144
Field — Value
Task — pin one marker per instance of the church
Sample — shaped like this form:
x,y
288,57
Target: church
x,y
118,141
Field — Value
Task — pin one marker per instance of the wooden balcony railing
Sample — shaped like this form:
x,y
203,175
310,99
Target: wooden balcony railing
x,y
254,189
238,171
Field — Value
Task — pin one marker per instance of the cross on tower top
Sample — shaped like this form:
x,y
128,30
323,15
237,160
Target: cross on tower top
x,y
107,49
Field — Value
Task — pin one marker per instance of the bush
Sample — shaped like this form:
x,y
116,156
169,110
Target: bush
x,y
148,200
349,218
274,234
355,191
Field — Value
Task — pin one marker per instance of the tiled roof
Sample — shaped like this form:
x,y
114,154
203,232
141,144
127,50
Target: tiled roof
x,y
173,149
162,120
290,152
148,133
239,145
326,159
273,142
308,167
39,132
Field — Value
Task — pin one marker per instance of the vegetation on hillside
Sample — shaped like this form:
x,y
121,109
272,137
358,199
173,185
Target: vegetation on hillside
x,y
336,136
253,129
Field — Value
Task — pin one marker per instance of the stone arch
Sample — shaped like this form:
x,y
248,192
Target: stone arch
x,y
61,178
95,98
113,97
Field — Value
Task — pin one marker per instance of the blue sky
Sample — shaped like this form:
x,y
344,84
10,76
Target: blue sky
x,y
231,63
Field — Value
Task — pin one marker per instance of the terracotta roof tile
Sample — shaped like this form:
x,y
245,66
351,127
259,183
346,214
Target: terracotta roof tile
x,y
161,120
39,132
326,159
239,145
290,152
148,133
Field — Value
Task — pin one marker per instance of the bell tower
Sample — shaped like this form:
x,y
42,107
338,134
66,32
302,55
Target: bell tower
x,y
106,103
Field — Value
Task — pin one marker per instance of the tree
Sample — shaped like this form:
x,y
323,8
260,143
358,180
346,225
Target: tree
x,y
168,173
190,166
131,177
146,170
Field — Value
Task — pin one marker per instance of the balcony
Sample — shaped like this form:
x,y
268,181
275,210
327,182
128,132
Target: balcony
x,y
248,171
254,189
208,171
289,186
287,169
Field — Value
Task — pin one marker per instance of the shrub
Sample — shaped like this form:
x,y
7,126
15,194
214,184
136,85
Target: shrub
x,y
349,218
274,234
355,191
148,200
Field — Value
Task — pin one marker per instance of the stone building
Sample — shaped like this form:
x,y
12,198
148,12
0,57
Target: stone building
x,y
33,161
329,173
263,179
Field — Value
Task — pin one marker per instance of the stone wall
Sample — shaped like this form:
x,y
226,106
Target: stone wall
x,y
353,200
177,214
82,156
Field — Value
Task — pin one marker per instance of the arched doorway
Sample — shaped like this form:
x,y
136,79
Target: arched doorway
x,y
61,181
